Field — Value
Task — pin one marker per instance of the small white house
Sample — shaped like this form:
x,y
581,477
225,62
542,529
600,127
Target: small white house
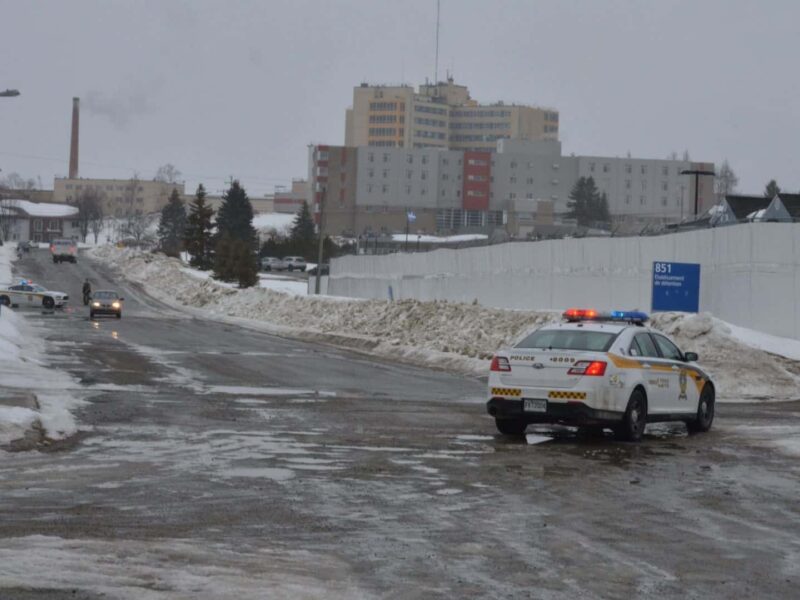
x,y
26,221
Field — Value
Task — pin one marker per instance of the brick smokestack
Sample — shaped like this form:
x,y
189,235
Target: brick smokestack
x,y
73,143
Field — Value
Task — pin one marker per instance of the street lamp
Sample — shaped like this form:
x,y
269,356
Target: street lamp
x,y
696,173
9,93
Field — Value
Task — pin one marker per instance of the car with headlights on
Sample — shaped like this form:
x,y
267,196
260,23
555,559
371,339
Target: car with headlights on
x,y
599,370
106,302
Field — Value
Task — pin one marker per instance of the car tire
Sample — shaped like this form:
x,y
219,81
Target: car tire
x,y
55,260
705,411
5,301
119,315
91,315
511,426
48,302
290,269
635,418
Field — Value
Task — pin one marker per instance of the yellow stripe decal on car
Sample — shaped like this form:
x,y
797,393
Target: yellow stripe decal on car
x,y
622,362
516,392
567,395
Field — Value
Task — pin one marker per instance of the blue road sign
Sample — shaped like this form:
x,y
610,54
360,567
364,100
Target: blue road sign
x,y
676,286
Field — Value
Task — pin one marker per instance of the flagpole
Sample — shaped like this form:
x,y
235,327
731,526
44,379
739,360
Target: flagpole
x,y
406,249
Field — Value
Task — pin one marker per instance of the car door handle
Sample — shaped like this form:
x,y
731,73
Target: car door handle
x,y
645,365
676,368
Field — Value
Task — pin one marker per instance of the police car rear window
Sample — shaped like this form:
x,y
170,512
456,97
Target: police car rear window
x,y
569,339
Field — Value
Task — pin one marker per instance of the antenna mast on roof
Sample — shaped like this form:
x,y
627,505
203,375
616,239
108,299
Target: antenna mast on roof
x,y
436,65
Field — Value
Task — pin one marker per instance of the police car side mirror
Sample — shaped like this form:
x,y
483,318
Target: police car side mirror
x,y
691,357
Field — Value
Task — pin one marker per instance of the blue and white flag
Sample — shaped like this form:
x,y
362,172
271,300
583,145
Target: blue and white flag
x,y
411,217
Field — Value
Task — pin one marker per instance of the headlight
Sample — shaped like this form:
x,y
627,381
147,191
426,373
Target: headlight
x,y
115,304
96,304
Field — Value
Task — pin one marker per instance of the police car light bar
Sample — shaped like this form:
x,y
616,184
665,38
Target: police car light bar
x,y
589,314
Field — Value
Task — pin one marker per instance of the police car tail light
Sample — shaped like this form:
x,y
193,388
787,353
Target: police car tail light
x,y
595,368
500,363
580,314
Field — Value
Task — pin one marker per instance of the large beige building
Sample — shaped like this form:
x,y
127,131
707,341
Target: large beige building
x,y
441,115
119,197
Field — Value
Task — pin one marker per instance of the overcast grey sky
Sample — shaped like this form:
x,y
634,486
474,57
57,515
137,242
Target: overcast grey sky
x,y
242,87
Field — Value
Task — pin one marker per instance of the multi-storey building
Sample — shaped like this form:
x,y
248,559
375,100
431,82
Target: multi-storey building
x,y
440,115
119,197
290,201
518,186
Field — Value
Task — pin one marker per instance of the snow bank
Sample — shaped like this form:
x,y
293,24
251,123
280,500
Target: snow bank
x,y
440,334
21,369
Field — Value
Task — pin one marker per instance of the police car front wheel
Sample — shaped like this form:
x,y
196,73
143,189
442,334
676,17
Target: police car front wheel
x,y
705,411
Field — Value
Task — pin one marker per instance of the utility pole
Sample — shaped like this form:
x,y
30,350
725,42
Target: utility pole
x,y
321,239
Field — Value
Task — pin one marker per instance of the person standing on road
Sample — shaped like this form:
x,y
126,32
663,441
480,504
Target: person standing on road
x,y
87,291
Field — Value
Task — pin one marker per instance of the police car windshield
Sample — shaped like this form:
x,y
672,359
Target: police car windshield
x,y
569,339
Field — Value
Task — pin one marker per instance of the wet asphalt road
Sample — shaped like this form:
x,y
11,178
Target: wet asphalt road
x,y
217,462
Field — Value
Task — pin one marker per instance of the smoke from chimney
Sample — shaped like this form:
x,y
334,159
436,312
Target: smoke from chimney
x,y
73,145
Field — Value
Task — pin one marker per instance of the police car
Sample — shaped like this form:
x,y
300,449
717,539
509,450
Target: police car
x,y
28,293
599,370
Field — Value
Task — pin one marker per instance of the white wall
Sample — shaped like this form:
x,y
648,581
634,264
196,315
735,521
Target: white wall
x,y
750,274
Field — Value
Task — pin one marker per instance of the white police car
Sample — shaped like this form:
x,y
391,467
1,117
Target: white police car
x,y
599,370
28,293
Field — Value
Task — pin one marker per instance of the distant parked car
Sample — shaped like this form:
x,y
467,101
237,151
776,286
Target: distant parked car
x,y
271,263
324,269
295,263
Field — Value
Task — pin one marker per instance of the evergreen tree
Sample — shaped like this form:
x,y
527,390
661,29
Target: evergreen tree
x,y
243,264
235,247
303,231
172,227
235,216
586,204
198,236
772,189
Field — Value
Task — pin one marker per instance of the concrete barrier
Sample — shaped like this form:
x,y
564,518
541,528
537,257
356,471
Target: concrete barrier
x,y
750,274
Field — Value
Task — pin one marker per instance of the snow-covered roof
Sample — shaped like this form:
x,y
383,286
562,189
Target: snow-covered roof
x,y
41,209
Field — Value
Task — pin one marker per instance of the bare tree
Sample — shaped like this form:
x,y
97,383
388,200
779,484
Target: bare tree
x,y
90,207
134,223
97,222
168,174
725,181
17,183
7,216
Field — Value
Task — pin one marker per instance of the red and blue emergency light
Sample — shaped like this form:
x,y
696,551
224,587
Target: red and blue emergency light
x,y
589,314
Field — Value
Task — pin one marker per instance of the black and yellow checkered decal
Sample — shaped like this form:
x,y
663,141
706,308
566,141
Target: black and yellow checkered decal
x,y
567,395
516,392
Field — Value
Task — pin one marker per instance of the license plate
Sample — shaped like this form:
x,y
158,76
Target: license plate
x,y
534,405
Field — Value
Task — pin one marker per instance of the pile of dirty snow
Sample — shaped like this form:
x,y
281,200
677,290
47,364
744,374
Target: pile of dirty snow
x,y
439,334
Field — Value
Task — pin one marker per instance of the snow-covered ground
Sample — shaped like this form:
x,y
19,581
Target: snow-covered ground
x,y
449,335
22,370
269,281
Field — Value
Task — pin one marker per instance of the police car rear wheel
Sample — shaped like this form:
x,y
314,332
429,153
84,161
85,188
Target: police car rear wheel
x,y
510,426
705,411
5,300
635,419
48,302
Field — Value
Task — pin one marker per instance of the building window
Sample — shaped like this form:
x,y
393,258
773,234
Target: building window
x,y
37,225
369,188
409,173
663,200
641,200
627,184
408,189
423,191
69,186
606,168
445,162
371,173
665,171
664,186
529,180
644,169
628,169
424,160
384,188
385,158
513,164
385,173
628,199
445,176
644,185
410,159
371,157
513,179
591,167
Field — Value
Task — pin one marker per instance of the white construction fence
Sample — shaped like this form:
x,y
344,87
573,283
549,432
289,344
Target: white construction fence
x,y
749,274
